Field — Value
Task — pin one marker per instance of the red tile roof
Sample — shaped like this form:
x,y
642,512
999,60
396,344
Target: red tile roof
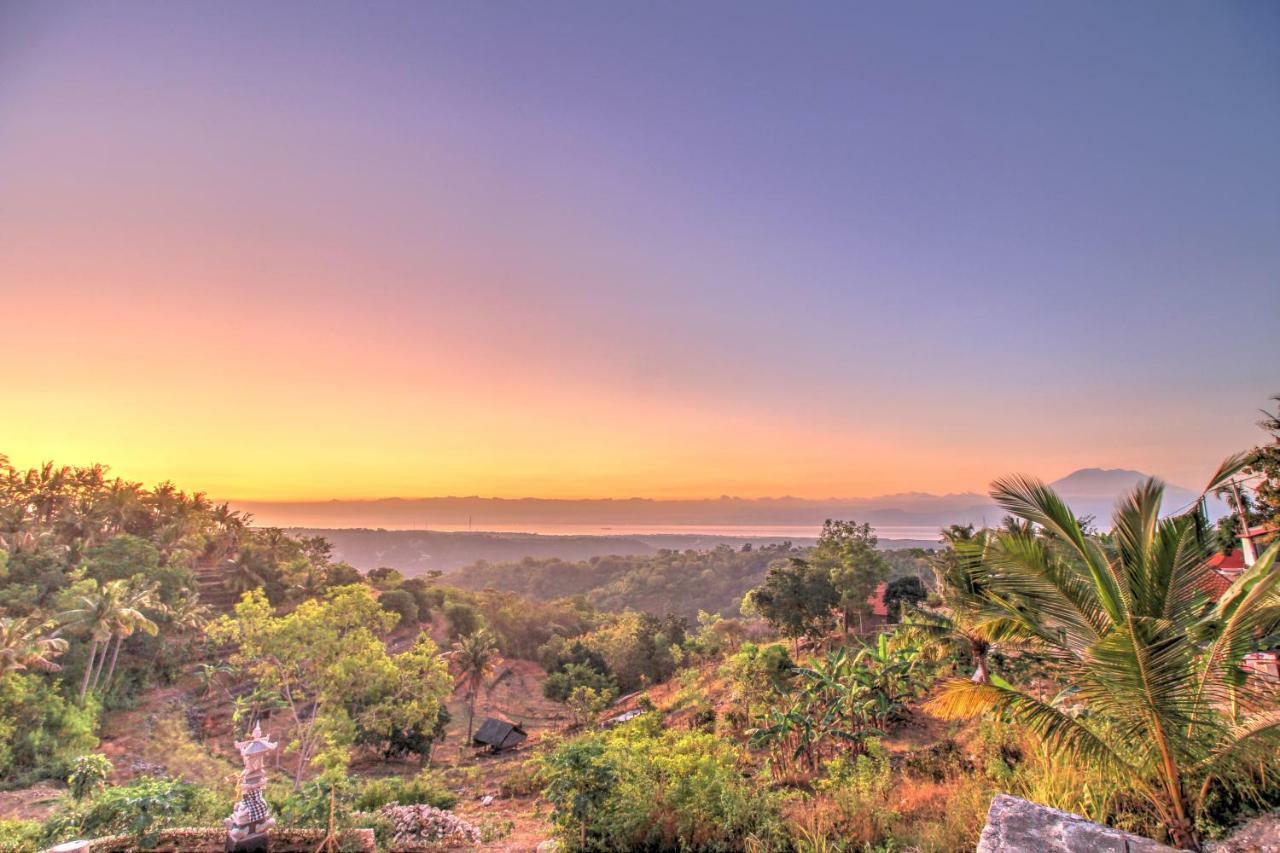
x,y
1214,584
1227,562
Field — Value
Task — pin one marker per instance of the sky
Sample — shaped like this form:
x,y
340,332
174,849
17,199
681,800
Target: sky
x,y
660,249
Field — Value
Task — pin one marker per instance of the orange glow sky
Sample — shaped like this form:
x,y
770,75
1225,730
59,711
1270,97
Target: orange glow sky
x,y
431,251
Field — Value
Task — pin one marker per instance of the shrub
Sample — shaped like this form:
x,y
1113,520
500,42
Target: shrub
x,y
463,619
863,791
523,780
560,685
141,809
19,834
401,603
642,788
425,788
90,774
41,732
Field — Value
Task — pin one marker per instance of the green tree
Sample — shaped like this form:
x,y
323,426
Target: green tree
x,y
796,597
401,603
909,590
128,617
847,551
559,685
463,619
1171,711
385,577
327,663
1265,463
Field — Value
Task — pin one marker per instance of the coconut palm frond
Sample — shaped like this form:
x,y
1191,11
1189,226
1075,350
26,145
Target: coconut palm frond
x,y
961,699
1029,499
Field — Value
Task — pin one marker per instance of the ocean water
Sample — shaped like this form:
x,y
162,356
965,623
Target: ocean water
x,y
763,531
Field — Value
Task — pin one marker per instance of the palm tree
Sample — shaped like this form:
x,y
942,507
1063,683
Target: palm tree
x,y
129,618
29,643
95,617
476,657
1158,667
968,622
242,576
187,615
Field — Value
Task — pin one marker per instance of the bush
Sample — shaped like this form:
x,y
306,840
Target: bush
x,y
463,619
141,809
524,780
89,776
639,787
41,732
402,603
385,578
560,685
424,788
19,834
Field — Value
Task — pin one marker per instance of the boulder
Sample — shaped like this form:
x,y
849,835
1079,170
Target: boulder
x,y
1015,825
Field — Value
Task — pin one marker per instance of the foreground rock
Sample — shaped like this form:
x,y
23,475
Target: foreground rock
x,y
1260,835
1015,825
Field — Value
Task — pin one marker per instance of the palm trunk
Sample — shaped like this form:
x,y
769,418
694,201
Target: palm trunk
x,y
88,668
979,652
980,675
102,660
111,670
471,711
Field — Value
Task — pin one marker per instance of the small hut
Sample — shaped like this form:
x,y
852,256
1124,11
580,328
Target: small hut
x,y
499,735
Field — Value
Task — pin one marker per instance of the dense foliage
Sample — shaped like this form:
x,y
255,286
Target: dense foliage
x,y
645,788
681,582
325,661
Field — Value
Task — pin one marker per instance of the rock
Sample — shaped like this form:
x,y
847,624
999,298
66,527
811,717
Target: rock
x,y
70,847
1260,835
548,846
1015,825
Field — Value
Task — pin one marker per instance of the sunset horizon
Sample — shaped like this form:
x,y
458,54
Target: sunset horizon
x,y
639,425
436,250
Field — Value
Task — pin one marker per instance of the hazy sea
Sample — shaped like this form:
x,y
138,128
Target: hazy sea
x,y
763,531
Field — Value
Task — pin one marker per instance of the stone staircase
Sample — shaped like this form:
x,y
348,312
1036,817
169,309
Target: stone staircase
x,y
211,589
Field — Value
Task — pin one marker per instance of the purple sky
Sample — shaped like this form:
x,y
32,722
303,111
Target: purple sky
x,y
647,248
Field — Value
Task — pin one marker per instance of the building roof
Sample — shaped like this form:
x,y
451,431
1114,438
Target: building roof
x,y
1213,584
499,734
1227,562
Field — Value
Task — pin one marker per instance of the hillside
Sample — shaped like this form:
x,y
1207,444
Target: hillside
x,y
679,582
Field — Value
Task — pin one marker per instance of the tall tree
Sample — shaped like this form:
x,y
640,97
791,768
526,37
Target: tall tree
x,y
846,550
475,657
796,597
94,617
129,618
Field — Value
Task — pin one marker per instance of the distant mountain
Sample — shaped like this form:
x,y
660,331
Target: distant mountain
x,y
911,515
1094,491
